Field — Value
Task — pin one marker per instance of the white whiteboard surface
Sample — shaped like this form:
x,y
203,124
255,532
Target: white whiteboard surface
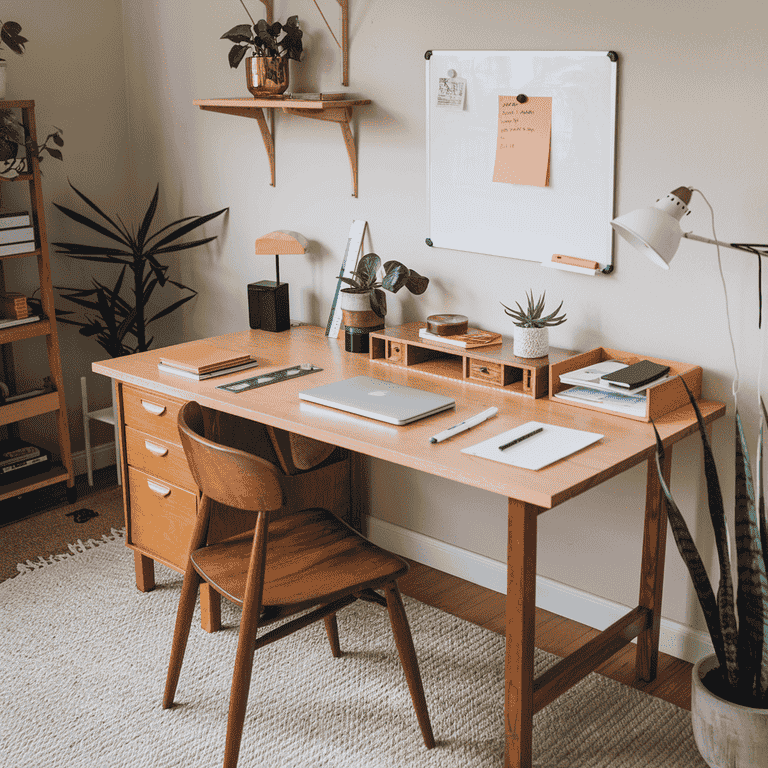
x,y
571,216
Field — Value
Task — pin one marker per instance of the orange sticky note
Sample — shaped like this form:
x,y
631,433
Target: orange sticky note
x,y
524,140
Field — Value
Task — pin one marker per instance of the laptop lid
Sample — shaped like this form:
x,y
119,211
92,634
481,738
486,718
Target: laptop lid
x,y
377,399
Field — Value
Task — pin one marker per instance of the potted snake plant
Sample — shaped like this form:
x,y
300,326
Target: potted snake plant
x,y
532,335
266,70
364,303
729,691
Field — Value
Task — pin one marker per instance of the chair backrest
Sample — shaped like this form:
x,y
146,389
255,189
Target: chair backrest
x,y
224,474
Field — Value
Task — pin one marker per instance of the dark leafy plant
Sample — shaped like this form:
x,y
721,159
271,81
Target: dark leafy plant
x,y
396,276
264,39
113,315
10,34
12,135
738,626
531,317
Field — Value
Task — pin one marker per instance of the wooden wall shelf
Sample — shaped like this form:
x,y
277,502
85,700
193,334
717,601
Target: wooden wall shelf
x,y
493,366
332,111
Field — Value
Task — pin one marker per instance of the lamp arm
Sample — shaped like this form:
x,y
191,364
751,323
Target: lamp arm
x,y
760,249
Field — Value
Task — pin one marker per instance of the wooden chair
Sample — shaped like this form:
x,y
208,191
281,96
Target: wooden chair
x,y
306,560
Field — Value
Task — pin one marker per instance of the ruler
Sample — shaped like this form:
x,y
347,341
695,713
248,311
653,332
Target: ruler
x,y
354,244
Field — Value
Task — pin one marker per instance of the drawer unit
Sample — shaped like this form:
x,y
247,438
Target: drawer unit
x,y
162,517
152,413
485,371
161,458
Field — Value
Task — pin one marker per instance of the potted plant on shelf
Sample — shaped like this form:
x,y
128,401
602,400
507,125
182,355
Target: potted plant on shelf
x,y
10,34
113,315
364,303
266,70
729,691
532,336
16,148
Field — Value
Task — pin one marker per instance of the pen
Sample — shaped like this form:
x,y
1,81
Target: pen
x,y
520,439
464,425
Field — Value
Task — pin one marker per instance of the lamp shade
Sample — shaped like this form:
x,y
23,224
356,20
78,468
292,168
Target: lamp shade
x,y
281,243
655,231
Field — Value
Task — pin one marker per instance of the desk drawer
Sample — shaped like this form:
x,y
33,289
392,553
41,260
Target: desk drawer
x,y
162,517
152,413
161,458
482,370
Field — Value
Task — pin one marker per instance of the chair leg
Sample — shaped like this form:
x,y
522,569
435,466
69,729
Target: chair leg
x,y
332,630
184,616
86,430
404,641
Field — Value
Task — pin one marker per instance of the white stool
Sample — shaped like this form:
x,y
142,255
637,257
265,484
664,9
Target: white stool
x,y
106,415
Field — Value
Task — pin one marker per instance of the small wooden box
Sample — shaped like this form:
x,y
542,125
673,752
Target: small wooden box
x,y
13,306
660,398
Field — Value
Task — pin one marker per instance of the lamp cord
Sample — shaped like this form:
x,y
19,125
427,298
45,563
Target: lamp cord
x,y
735,383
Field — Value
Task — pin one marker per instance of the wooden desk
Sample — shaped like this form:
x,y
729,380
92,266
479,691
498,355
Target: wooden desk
x,y
626,444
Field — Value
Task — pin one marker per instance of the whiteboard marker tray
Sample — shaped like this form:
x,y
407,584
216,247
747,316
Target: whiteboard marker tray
x,y
536,452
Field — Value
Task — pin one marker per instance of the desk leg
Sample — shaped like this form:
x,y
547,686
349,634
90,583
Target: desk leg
x,y
652,568
520,631
145,571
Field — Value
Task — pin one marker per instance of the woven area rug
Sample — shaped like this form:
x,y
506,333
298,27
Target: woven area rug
x,y
83,657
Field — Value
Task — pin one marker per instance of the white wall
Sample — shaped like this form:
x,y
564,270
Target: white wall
x,y
691,111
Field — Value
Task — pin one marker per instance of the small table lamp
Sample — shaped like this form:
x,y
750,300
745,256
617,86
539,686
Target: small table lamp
x,y
268,306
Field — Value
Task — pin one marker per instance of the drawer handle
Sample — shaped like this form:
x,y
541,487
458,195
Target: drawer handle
x,y
157,450
483,369
153,408
160,490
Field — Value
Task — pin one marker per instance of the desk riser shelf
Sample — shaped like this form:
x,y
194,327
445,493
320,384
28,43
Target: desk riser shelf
x,y
494,366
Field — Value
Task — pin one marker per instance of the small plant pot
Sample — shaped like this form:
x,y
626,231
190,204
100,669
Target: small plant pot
x,y
531,342
727,735
267,77
359,321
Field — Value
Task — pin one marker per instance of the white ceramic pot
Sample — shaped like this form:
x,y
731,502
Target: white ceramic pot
x,y
728,735
531,342
359,320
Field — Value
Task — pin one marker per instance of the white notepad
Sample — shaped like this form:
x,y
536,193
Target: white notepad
x,y
551,444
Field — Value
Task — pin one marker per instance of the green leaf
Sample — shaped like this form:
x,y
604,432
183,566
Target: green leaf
x,y
239,34
198,221
379,302
368,266
236,55
395,277
101,213
147,221
172,308
86,222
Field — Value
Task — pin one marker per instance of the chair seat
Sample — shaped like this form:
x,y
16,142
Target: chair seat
x,y
312,557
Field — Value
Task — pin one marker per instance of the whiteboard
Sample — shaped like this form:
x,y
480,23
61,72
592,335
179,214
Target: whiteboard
x,y
570,216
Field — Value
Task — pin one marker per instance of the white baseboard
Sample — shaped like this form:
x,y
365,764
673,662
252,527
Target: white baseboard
x,y
101,455
676,639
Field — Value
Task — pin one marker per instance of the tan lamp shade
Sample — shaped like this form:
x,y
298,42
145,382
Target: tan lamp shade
x,y
281,243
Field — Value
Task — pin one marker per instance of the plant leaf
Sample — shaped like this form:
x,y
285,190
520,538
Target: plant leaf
x,y
752,592
101,213
379,302
147,221
416,283
236,55
239,34
368,266
86,222
196,222
395,276
172,307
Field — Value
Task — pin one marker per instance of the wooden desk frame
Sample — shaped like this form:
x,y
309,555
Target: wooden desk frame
x,y
626,444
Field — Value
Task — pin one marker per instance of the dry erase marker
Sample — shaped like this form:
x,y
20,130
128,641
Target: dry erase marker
x,y
464,425
520,439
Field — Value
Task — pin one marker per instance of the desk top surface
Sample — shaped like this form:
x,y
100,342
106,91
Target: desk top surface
x,y
626,442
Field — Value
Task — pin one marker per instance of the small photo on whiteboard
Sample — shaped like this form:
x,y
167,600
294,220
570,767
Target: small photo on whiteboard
x,y
451,92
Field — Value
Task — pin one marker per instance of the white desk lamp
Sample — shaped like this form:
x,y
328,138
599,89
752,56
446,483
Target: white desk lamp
x,y
656,231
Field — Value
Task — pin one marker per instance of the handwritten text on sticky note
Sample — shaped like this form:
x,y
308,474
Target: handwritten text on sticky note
x,y
524,140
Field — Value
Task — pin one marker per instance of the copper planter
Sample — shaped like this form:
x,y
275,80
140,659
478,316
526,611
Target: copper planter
x,y
266,77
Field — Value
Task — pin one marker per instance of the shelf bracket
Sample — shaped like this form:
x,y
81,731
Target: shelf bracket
x,y
341,116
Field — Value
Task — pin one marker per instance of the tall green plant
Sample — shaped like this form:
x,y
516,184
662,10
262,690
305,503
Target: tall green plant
x,y
113,315
738,625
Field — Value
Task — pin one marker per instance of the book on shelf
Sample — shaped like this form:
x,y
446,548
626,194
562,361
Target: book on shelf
x,y
594,377
25,468
636,375
210,374
16,234
473,338
14,450
318,96
618,402
201,357
15,219
11,321
11,249
13,306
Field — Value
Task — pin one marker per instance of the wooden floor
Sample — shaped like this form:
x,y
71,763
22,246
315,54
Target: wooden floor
x,y
554,634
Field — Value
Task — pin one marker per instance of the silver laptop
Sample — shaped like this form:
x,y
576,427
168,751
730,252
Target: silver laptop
x,y
380,400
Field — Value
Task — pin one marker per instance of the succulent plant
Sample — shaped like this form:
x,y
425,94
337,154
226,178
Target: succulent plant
x,y
396,275
531,317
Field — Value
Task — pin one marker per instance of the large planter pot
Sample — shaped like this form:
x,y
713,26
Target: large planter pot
x,y
359,321
531,342
727,735
267,77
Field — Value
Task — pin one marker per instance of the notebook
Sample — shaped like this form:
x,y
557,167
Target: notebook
x,y
380,400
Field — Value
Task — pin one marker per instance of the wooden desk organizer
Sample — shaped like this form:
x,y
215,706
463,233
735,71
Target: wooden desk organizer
x,y
660,399
494,366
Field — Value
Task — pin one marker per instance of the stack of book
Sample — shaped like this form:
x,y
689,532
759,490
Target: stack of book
x,y
16,234
200,360
19,459
471,339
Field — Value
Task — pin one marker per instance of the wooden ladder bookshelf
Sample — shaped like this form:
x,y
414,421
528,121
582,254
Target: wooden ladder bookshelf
x,y
53,401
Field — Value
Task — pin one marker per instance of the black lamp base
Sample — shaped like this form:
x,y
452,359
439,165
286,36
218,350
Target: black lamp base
x,y
268,307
